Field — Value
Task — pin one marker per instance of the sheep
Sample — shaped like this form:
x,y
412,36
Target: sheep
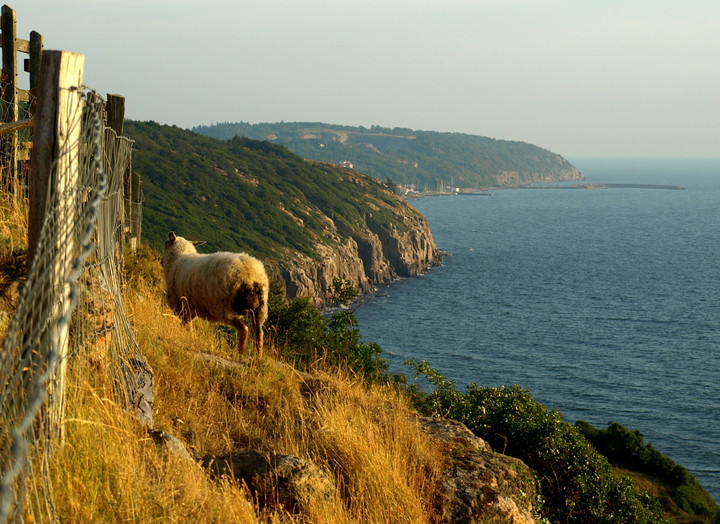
x,y
219,287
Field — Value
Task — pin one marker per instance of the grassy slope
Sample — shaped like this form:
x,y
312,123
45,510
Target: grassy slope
x,y
110,471
248,195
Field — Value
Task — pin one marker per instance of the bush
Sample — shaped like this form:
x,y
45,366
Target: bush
x,y
577,483
305,337
626,448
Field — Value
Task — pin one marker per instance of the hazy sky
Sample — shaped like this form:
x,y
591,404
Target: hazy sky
x,y
632,78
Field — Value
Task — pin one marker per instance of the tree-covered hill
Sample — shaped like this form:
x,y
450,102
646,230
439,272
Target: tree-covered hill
x,y
426,159
255,196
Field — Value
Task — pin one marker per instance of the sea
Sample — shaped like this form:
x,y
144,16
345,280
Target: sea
x,y
603,303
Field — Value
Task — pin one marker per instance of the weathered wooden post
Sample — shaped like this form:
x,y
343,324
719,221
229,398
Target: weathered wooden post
x,y
9,89
9,69
13,151
131,182
61,75
115,110
136,214
36,51
55,170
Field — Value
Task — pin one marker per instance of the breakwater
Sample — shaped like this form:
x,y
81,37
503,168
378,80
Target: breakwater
x,y
607,186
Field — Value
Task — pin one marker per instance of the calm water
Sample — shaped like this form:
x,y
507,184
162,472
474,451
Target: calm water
x,y
605,304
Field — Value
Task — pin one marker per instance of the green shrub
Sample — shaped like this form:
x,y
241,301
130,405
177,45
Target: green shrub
x,y
305,337
577,483
626,448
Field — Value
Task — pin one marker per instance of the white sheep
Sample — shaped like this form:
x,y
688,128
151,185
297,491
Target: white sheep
x,y
219,287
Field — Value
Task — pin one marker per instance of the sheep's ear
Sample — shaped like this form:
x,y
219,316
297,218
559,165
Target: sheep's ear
x,y
199,243
171,236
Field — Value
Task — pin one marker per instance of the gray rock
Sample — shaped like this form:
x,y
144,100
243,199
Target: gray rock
x,y
173,445
453,432
479,485
275,478
140,381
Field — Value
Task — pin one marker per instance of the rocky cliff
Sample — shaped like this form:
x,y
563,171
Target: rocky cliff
x,y
370,253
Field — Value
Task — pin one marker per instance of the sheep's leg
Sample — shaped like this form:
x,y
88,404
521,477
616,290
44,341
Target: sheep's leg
x,y
184,311
258,340
257,332
242,331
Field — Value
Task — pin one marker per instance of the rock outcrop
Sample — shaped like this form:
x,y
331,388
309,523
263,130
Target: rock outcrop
x,y
479,485
371,254
274,478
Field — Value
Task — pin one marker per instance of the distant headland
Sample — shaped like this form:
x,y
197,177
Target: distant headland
x,y
416,162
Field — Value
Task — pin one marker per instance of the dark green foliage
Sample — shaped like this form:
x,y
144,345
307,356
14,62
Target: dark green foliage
x,y
305,337
249,195
423,158
577,483
627,449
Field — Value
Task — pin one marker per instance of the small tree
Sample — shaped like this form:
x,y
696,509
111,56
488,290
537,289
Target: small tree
x,y
392,186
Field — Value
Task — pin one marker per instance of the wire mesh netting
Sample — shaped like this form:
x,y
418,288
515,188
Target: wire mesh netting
x,y
15,140
69,306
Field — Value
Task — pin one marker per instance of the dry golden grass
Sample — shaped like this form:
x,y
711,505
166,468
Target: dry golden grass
x,y
109,470
13,224
366,438
13,255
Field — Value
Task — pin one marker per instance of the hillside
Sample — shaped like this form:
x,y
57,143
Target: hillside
x,y
315,430
310,222
425,159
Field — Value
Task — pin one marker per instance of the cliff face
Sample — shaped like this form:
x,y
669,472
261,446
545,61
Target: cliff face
x,y
516,178
366,256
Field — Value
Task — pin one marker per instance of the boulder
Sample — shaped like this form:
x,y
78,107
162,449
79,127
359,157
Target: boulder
x,y
479,485
275,479
171,444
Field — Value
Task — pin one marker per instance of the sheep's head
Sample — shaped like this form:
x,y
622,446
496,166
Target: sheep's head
x,y
176,245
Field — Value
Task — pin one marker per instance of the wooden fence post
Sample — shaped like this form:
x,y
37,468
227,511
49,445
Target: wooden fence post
x,y
61,71
55,168
136,212
9,87
36,51
9,69
115,110
131,182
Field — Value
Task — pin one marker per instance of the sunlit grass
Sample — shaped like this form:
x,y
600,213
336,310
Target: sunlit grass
x,y
13,255
108,469
13,224
366,439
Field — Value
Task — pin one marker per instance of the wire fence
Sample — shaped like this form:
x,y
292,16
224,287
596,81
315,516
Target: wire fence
x,y
69,306
15,140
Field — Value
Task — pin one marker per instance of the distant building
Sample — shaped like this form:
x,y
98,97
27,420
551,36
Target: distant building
x,y
346,163
407,190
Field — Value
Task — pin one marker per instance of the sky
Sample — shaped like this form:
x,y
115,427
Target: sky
x,y
582,78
